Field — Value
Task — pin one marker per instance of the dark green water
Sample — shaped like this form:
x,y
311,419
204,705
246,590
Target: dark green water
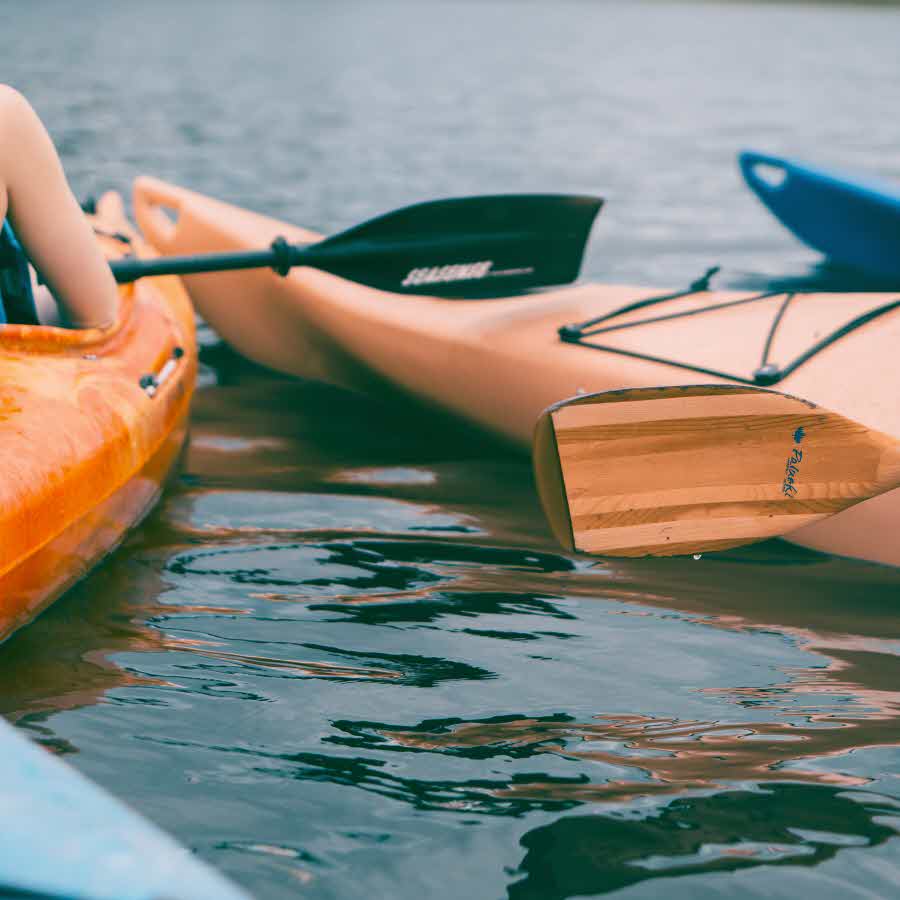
x,y
344,658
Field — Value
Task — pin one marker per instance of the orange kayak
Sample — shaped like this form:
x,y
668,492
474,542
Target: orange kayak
x,y
500,362
91,423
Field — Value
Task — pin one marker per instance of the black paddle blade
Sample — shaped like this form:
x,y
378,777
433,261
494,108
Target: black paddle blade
x,y
470,246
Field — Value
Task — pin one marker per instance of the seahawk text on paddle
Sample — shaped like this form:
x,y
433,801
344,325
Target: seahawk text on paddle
x,y
443,274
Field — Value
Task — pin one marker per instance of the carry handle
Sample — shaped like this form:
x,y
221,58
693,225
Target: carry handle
x,y
750,160
152,198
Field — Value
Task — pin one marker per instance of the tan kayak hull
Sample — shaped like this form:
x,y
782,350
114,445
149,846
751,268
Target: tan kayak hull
x,y
500,362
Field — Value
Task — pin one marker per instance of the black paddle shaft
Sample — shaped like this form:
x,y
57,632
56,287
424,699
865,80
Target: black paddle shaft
x,y
465,245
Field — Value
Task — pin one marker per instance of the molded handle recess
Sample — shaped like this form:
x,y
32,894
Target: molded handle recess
x,y
748,160
152,198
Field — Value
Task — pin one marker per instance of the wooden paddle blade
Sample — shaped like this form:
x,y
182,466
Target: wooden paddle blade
x,y
679,470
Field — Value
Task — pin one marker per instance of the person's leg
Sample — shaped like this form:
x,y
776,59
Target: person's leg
x,y
35,196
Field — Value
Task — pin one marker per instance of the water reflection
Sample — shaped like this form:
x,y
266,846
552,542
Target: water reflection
x,y
398,668
66,660
639,754
783,824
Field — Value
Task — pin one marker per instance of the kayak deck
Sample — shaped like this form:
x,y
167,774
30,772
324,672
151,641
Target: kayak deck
x,y
87,438
71,839
500,362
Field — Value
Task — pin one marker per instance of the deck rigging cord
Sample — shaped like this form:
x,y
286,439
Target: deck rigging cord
x,y
766,374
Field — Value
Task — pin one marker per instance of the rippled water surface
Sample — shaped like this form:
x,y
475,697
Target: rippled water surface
x,y
343,658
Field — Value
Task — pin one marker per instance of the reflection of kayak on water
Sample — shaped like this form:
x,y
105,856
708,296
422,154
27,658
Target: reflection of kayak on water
x,y
589,855
852,220
65,837
501,362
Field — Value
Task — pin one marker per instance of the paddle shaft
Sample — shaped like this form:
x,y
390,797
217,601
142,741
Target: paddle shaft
x,y
130,269
281,257
331,257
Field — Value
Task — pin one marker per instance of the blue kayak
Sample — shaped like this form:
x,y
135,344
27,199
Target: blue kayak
x,y
63,837
854,221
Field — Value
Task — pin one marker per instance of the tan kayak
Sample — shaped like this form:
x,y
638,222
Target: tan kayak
x,y
500,362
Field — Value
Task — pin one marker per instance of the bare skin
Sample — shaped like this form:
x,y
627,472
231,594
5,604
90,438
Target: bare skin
x,y
37,200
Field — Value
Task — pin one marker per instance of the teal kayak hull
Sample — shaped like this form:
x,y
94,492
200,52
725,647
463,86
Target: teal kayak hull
x,y
64,837
852,220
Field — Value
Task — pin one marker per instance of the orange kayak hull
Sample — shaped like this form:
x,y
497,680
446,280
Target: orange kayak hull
x,y
91,425
500,362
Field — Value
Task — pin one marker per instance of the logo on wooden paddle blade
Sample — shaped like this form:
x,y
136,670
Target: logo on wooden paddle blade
x,y
792,467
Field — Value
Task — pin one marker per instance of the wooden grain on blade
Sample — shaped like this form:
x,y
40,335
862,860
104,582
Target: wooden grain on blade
x,y
687,406
770,509
592,504
698,533
678,470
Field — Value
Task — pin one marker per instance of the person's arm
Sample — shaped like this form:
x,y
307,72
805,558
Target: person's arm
x,y
36,197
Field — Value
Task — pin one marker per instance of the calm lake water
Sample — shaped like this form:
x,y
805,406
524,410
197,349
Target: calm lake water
x,y
344,658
